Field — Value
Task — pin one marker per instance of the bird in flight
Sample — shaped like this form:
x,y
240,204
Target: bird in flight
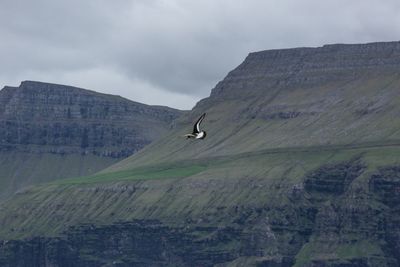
x,y
197,134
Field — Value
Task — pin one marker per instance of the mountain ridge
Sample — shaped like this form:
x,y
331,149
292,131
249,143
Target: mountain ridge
x,y
32,84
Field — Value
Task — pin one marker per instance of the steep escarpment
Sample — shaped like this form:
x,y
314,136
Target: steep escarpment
x,y
300,167
50,131
308,67
63,119
332,95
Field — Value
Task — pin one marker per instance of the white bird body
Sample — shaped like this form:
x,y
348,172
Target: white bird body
x,y
201,135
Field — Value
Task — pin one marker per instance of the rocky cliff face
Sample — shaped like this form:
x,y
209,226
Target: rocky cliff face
x,y
309,67
300,167
336,214
47,124
63,119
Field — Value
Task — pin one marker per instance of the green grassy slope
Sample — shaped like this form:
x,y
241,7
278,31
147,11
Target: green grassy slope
x,y
234,191
355,112
173,192
21,169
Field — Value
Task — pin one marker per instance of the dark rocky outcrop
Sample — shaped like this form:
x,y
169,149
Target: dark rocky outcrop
x,y
385,184
332,180
385,187
139,243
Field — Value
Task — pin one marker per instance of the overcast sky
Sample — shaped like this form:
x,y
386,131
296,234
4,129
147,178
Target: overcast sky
x,y
170,52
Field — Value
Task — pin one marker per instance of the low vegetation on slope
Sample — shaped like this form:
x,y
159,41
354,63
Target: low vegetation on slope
x,y
284,204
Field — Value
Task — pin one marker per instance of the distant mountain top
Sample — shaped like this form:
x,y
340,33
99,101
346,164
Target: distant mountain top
x,y
310,67
346,48
65,119
51,88
50,131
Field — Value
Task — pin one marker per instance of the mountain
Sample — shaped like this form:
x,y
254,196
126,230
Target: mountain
x,y
300,167
50,131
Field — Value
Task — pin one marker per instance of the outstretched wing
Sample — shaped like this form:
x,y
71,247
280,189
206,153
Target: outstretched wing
x,y
196,128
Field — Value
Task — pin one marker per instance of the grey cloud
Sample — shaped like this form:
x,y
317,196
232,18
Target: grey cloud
x,y
175,48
